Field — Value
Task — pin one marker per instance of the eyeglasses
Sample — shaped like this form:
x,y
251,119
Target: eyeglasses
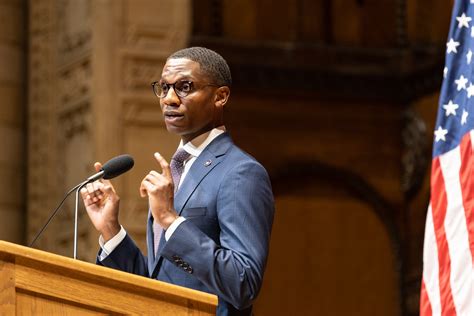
x,y
182,88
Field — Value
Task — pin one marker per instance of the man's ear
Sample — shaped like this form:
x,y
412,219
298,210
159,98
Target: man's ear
x,y
221,96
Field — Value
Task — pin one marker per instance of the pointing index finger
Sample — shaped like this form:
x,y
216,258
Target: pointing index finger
x,y
165,167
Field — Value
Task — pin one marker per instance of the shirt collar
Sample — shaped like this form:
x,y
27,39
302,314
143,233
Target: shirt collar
x,y
197,148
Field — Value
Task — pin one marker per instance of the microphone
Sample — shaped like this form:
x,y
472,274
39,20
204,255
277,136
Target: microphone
x,y
111,169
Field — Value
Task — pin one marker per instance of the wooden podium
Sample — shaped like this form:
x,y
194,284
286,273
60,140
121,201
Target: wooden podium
x,y
34,282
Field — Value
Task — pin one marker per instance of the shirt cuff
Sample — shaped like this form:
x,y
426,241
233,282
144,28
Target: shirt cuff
x,y
109,246
173,227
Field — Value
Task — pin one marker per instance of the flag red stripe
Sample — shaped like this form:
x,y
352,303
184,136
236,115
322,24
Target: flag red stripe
x,y
425,304
467,186
439,204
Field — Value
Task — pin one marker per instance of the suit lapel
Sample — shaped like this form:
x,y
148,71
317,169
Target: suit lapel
x,y
200,168
211,156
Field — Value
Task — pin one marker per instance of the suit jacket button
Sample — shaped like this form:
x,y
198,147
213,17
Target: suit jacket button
x,y
190,270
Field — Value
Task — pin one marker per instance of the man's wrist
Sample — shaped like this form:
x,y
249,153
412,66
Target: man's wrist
x,y
165,223
165,217
110,231
169,232
109,246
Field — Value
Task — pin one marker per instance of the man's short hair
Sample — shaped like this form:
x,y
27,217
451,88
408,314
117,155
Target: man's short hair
x,y
212,64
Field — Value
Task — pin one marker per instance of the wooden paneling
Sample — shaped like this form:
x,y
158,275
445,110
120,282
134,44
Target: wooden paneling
x,y
361,49
329,255
7,288
34,304
361,137
241,26
428,20
335,167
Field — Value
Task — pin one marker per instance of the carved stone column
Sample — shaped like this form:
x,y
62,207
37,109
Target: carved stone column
x,y
12,124
91,66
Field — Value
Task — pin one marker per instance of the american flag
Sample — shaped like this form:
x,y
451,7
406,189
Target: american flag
x,y
448,275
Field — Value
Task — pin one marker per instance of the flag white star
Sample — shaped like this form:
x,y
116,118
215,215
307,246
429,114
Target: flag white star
x,y
450,108
464,117
445,70
463,20
461,82
469,57
440,134
451,45
470,90
472,31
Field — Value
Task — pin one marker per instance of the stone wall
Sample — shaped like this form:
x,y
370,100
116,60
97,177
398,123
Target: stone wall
x,y
91,65
12,119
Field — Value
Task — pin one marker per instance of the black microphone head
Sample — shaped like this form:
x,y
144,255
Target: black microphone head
x,y
117,165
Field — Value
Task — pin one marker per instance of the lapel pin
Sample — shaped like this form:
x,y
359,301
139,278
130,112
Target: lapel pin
x,y
208,163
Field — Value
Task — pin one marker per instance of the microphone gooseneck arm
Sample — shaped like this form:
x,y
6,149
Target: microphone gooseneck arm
x,y
76,210
56,211
111,169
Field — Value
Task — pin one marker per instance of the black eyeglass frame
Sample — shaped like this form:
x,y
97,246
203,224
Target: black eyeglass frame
x,y
156,86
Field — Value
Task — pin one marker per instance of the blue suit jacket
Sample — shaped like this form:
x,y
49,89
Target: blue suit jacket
x,y
222,246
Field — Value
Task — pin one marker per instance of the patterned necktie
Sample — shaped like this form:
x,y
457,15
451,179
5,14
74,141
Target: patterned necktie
x,y
177,168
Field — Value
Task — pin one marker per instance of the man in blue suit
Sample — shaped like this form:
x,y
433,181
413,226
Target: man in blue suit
x,y
211,216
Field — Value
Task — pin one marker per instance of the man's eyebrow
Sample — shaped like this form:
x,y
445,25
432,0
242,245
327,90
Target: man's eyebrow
x,y
183,78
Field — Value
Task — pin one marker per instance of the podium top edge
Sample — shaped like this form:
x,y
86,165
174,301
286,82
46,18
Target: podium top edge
x,y
34,258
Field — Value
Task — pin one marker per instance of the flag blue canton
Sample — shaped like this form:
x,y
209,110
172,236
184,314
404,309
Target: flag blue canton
x,y
456,109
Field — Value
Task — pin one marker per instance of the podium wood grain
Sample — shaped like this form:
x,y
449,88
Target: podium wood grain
x,y
34,282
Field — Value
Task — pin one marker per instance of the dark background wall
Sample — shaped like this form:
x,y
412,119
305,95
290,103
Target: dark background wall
x,y
337,99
